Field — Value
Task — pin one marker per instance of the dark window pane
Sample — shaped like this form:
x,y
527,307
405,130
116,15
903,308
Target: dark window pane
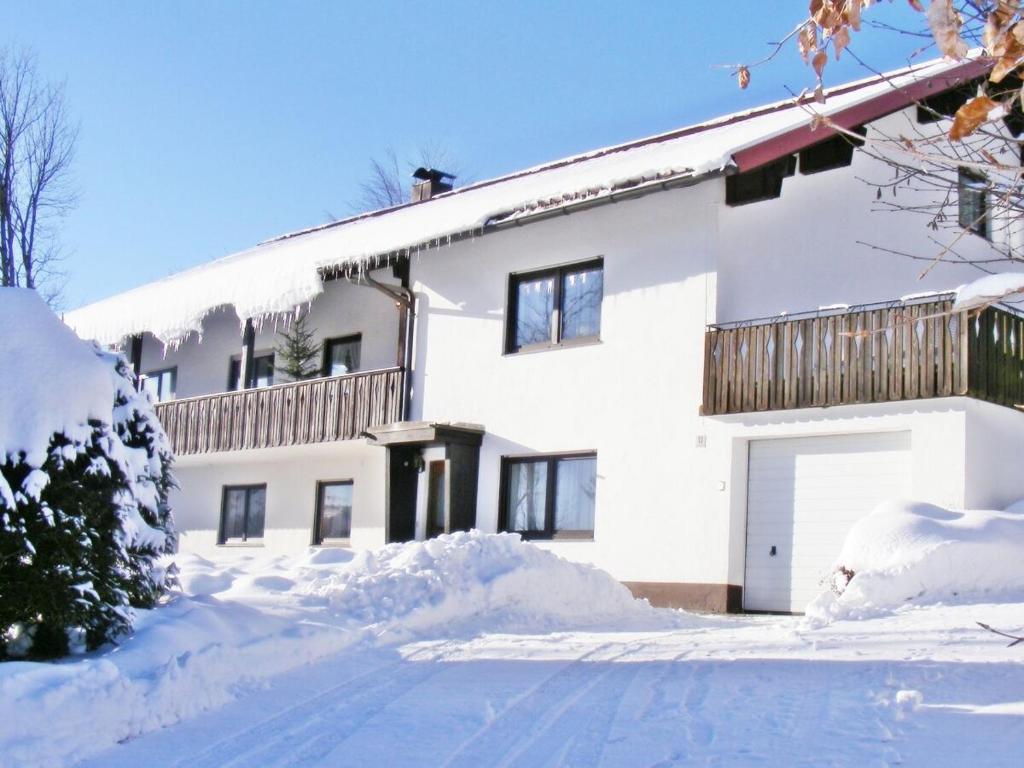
x,y
256,512
576,485
263,371
152,386
160,385
234,513
535,303
973,191
335,510
343,356
234,374
527,495
581,303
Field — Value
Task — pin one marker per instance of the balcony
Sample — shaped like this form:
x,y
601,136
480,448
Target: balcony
x,y
870,354
298,413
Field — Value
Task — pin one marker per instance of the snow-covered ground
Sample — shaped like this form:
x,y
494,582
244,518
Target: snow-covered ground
x,y
482,650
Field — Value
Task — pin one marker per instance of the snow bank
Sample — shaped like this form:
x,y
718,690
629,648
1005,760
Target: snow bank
x,y
914,553
988,290
37,348
282,274
248,617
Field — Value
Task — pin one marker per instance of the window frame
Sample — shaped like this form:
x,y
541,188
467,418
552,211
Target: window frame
x,y
237,360
158,374
555,340
246,540
964,177
325,369
318,539
551,459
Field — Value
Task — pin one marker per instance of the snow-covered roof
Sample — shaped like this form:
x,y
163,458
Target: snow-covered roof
x,y
283,273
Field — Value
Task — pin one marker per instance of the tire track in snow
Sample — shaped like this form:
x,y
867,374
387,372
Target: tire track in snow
x,y
535,725
275,738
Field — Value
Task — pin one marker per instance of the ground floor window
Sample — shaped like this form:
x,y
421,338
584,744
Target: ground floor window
x,y
333,511
549,496
242,514
341,355
160,384
262,372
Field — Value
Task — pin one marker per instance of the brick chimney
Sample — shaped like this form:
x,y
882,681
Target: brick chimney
x,y
430,182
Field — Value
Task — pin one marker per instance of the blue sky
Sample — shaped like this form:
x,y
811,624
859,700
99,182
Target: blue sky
x,y
209,126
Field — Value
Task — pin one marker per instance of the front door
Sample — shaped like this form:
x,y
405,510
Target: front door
x,y
436,499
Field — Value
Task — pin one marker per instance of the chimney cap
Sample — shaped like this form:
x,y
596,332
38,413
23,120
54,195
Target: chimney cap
x,y
431,174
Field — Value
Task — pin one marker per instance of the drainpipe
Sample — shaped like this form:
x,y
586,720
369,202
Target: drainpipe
x,y
406,302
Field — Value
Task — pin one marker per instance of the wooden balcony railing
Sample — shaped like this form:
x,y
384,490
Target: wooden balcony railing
x,y
870,354
313,411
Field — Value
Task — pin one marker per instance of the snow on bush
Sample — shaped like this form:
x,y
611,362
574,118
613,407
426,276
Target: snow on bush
x,y
248,617
84,477
915,553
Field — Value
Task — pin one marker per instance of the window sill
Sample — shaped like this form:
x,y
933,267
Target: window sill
x,y
581,536
258,543
339,543
588,342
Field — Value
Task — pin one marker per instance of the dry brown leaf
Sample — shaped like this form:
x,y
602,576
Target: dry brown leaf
x,y
819,94
990,36
1005,66
916,5
840,40
852,15
819,62
945,23
807,40
970,116
743,76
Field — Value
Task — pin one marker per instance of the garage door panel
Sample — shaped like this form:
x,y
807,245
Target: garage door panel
x,y
803,495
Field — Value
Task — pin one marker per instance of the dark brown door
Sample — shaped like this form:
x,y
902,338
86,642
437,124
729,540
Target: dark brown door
x,y
436,499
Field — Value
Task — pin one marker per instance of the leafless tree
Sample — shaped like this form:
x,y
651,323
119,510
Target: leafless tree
x,y
389,181
931,164
37,144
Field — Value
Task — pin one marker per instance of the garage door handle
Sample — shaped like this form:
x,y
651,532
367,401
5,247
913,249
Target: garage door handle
x,y
772,552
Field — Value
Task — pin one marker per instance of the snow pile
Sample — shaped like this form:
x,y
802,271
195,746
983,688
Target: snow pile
x,y
282,274
988,290
36,349
272,614
915,553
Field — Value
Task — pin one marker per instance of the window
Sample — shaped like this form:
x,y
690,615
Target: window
x,y
944,105
836,152
262,371
341,355
973,202
333,511
549,497
244,507
161,384
555,307
764,183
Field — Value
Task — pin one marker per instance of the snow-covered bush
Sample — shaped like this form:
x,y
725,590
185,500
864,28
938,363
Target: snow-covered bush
x,y
84,478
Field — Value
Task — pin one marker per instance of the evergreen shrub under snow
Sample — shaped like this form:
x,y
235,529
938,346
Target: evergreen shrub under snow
x,y
84,478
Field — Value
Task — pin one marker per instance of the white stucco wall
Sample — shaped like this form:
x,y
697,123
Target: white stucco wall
x,y
342,309
800,251
630,397
995,455
291,475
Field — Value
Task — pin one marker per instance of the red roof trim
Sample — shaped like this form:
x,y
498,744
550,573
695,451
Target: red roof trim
x,y
885,104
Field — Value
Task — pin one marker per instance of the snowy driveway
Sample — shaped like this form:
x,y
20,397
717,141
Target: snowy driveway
x,y
918,688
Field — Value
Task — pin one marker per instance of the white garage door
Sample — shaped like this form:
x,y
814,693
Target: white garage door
x,y
803,495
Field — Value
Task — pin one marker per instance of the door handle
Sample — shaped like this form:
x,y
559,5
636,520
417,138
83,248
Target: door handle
x,y
772,552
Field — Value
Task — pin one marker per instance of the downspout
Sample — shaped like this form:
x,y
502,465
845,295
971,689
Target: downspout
x,y
406,302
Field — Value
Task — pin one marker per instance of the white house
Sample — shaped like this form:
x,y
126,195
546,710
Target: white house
x,y
627,355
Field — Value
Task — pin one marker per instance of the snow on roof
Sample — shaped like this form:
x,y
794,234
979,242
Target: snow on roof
x,y
38,357
281,274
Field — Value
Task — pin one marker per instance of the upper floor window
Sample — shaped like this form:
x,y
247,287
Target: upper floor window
x,y
973,202
242,514
333,511
262,372
341,355
549,496
161,384
555,306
